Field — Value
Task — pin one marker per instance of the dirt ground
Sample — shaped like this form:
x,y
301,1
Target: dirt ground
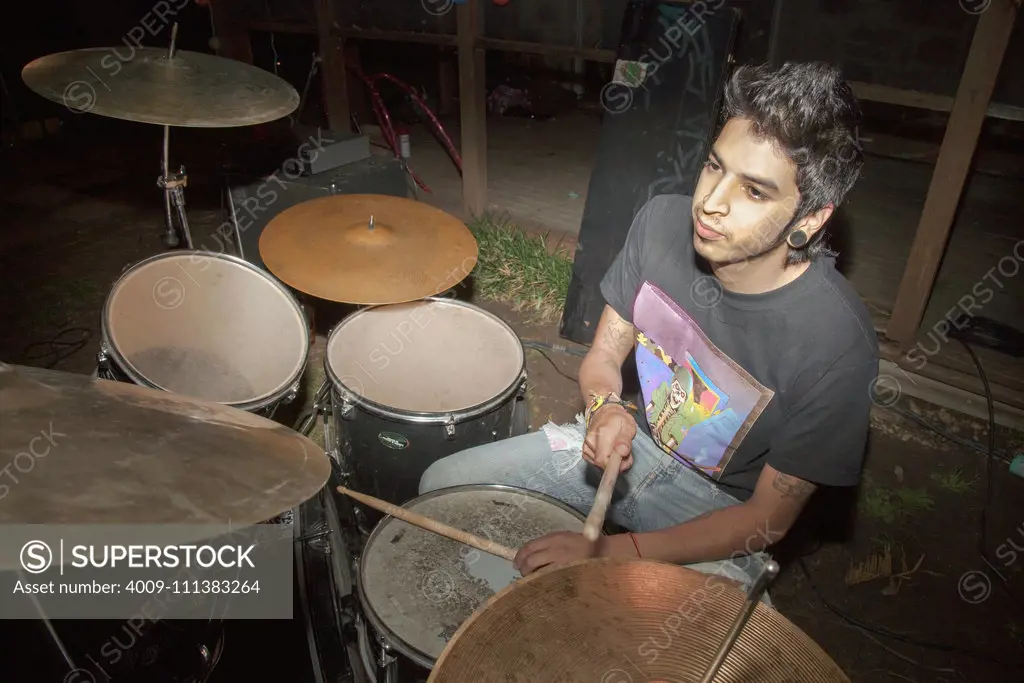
x,y
80,208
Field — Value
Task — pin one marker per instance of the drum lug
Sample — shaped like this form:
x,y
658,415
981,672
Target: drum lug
x,y
103,361
348,409
292,393
449,426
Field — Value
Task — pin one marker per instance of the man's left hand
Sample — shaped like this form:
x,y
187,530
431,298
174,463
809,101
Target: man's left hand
x,y
560,547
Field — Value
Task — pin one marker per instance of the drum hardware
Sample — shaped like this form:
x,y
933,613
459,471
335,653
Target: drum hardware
x,y
165,87
173,185
305,423
767,575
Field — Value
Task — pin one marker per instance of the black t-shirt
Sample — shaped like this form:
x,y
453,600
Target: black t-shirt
x,y
732,382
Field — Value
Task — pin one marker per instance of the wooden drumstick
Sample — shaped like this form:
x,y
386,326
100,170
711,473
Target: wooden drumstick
x,y
595,520
433,525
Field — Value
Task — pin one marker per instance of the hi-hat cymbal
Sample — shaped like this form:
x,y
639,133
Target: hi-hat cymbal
x,y
368,249
95,451
191,89
626,620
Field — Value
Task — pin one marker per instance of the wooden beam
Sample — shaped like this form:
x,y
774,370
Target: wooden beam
x,y
873,92
906,382
473,108
590,54
973,94
333,74
938,369
399,36
281,27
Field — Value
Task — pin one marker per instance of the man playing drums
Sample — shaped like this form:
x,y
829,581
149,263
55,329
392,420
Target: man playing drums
x,y
755,356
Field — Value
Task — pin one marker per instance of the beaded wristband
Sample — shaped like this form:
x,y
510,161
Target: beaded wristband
x,y
598,401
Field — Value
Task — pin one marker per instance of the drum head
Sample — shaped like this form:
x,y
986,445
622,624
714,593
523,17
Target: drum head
x,y
208,326
418,587
429,356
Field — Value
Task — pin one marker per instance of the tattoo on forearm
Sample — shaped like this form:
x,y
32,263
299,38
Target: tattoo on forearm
x,y
792,487
620,336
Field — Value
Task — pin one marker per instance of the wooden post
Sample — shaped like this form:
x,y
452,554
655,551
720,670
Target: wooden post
x,y
334,75
958,145
472,102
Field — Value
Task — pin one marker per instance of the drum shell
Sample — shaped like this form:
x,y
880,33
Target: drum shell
x,y
386,456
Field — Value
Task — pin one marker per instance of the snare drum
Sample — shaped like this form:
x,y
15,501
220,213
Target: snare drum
x,y
416,587
414,382
205,325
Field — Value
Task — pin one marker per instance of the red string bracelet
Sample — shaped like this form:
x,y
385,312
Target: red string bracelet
x,y
636,545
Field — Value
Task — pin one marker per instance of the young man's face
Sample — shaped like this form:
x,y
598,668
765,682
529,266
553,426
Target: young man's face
x,y
745,198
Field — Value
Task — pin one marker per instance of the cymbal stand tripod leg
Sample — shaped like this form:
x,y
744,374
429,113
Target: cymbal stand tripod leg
x,y
767,575
173,184
56,638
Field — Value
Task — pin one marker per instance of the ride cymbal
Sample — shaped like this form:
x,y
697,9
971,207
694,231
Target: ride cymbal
x,y
95,451
190,89
619,620
368,249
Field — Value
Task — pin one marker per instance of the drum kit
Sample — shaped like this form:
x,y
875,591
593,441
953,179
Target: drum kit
x,y
198,351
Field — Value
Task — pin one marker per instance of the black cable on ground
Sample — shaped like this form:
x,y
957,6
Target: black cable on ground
x,y
62,345
943,647
543,347
983,536
990,451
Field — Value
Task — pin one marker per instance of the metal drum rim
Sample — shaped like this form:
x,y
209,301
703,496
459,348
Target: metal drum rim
x,y
257,403
418,417
394,640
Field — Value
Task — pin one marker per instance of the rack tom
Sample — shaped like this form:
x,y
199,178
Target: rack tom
x,y
205,325
415,382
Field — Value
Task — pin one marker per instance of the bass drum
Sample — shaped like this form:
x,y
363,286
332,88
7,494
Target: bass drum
x,y
415,382
323,563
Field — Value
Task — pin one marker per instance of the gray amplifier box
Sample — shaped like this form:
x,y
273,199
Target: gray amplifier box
x,y
321,149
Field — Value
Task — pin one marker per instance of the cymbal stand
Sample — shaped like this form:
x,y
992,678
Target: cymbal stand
x,y
767,575
53,635
173,184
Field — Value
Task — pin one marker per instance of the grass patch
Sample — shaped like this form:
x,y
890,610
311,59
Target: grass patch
x,y
892,505
954,481
516,268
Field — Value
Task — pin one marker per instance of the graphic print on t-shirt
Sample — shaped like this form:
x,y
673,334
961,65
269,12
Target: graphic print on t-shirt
x,y
700,404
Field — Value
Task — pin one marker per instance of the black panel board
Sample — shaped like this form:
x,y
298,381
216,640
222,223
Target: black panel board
x,y
655,143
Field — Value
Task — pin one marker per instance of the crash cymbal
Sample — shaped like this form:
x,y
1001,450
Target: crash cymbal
x,y
191,89
626,620
368,249
94,451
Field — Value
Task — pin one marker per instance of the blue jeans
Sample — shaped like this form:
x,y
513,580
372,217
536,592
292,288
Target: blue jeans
x,y
657,492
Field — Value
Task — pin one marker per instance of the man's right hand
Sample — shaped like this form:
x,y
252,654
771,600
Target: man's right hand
x,y
612,427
